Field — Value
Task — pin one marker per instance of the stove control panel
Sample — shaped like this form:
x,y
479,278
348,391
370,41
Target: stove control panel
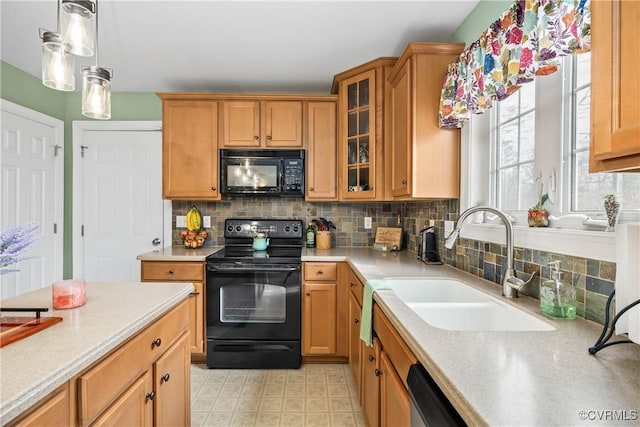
x,y
274,228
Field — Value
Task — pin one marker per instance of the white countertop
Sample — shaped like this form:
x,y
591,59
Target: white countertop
x,y
35,366
508,378
179,253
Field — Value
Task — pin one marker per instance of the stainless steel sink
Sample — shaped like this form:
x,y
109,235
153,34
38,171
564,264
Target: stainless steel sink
x,y
453,305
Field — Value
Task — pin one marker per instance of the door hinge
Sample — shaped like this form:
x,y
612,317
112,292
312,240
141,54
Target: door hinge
x,y
82,148
55,228
56,148
82,230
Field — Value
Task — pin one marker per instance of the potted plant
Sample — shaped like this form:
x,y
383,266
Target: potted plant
x,y
323,233
538,216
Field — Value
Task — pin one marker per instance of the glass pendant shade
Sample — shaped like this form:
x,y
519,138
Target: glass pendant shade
x,y
57,63
96,92
78,26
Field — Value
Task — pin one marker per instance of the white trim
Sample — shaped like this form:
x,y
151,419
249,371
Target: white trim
x,y
58,126
600,245
79,127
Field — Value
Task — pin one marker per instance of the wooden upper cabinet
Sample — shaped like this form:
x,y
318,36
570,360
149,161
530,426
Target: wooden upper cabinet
x,y
261,124
615,86
321,151
190,150
423,160
363,93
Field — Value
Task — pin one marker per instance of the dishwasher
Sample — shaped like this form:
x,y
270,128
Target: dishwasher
x,y
429,406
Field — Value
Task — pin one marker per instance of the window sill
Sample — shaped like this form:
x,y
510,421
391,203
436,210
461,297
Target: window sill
x,y
600,245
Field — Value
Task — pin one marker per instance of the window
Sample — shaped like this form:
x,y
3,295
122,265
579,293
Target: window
x,y
587,190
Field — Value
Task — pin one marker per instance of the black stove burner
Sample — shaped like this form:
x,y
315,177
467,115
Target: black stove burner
x,y
247,253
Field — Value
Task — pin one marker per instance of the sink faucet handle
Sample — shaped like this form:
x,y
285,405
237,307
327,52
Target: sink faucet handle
x,y
517,283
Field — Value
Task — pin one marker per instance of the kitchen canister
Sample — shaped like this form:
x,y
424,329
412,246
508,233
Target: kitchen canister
x,y
69,294
323,240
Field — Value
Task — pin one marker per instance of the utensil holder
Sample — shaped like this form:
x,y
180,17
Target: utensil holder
x,y
323,240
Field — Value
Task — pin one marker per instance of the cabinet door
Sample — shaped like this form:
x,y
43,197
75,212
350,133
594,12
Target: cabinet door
x,y
196,319
54,411
172,385
400,144
190,150
134,407
282,124
615,86
240,124
371,384
394,399
319,319
355,344
358,136
321,151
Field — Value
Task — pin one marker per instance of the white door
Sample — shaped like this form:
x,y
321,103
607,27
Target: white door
x,y
31,191
118,206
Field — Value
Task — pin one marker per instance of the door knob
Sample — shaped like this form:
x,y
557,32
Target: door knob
x,y
156,241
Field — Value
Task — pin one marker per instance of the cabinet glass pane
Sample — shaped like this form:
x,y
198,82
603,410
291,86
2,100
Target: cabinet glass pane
x,y
364,179
363,93
363,121
352,124
364,150
352,96
352,151
352,179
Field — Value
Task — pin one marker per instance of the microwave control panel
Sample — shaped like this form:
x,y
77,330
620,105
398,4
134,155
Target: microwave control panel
x,y
293,175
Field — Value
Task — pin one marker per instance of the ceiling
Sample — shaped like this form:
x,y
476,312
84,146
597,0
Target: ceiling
x,y
234,46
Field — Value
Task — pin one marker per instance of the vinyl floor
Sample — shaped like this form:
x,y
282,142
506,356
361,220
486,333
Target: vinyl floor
x,y
314,395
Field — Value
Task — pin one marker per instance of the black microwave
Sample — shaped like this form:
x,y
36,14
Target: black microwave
x,y
262,172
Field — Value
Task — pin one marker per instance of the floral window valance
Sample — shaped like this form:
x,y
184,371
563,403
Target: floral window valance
x,y
528,40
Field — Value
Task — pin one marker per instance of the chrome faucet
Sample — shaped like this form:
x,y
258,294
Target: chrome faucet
x,y
510,283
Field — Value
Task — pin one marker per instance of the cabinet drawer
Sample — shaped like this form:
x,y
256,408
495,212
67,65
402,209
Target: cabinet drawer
x,y
356,286
101,385
400,355
169,271
320,271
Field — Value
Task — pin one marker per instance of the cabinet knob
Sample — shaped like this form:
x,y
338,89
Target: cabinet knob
x,y
269,137
311,189
164,378
404,181
195,294
170,271
151,395
377,372
371,358
308,294
356,321
213,188
320,272
256,137
351,285
156,342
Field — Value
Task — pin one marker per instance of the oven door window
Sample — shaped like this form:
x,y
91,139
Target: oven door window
x,y
252,303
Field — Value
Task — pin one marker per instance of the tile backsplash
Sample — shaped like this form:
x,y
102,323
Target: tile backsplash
x,y
593,279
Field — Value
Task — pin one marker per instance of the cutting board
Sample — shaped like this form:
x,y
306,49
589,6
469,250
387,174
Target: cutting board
x,y
390,236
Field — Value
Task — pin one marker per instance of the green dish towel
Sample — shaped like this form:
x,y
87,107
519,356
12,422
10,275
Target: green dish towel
x,y
366,320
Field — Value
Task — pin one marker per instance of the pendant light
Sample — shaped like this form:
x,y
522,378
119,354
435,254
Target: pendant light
x,y
57,62
78,26
96,86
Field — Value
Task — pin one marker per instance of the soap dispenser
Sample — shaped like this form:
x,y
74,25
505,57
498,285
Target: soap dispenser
x,y
557,298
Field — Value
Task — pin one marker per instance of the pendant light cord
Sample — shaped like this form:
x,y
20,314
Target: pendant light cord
x,y
97,34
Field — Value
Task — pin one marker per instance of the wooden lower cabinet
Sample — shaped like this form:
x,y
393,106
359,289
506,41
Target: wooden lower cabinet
x,y
355,344
133,407
183,271
53,411
394,398
172,386
371,383
324,311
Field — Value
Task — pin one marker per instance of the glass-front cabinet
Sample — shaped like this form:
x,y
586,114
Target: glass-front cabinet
x,y
361,123
360,153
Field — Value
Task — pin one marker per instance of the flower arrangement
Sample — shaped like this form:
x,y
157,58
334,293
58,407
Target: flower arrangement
x,y
538,215
13,243
612,209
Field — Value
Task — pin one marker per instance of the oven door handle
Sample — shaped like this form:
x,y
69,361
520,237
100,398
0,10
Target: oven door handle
x,y
244,269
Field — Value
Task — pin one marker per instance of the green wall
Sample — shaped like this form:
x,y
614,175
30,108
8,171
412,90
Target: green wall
x,y
24,89
479,20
